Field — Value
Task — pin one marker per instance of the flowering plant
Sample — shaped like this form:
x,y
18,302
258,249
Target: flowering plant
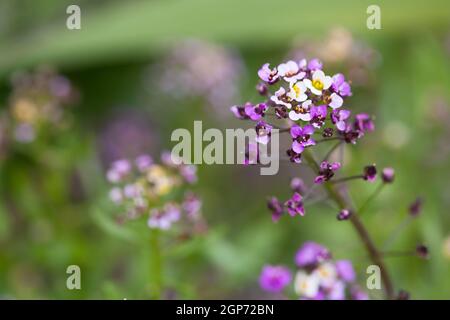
x,y
318,276
159,192
310,106
147,188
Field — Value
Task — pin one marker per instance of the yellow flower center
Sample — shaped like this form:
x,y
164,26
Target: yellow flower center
x,y
297,89
317,84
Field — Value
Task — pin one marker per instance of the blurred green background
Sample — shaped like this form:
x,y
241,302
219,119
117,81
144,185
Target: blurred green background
x,y
54,213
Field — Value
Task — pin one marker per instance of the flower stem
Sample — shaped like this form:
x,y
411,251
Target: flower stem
x,y
156,270
374,254
365,205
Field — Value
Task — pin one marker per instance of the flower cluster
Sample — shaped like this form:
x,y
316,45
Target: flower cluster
x,y
37,104
310,100
318,276
198,69
143,187
294,205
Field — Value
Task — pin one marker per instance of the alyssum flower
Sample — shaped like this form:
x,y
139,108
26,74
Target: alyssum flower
x,y
310,98
318,276
310,102
146,188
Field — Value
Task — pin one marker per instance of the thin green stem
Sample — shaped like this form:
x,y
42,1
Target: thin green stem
x,y
156,265
366,204
374,254
394,235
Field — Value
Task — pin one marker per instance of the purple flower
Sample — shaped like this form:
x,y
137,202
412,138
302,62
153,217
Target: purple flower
x,y
239,112
335,101
189,173
262,88
297,185
358,294
339,118
268,75
311,254
249,111
314,64
345,270
293,156
370,173
274,278
318,115
301,137
364,123
255,112
143,162
340,86
119,169
344,214
295,205
251,154
192,205
388,175
326,171
263,132
337,291
276,207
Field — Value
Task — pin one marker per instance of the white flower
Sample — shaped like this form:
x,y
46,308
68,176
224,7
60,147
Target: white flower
x,y
280,98
306,285
336,101
301,112
116,195
297,91
290,71
319,82
327,275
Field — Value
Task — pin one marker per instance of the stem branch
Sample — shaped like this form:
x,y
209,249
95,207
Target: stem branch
x,y
374,254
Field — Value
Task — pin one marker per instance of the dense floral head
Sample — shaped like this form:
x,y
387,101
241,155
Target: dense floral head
x,y
143,187
311,99
39,101
317,277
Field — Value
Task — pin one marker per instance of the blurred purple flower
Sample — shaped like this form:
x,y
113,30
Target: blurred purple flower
x,y
274,278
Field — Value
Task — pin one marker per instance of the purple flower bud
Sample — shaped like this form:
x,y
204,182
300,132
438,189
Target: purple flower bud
x,y
422,251
276,207
388,175
403,295
370,173
327,133
314,64
274,278
344,214
297,185
262,88
416,207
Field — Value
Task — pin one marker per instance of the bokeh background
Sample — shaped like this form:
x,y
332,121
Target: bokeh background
x,y
144,68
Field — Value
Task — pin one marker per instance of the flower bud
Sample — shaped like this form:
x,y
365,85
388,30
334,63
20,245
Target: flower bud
x,y
416,207
422,251
388,175
344,214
